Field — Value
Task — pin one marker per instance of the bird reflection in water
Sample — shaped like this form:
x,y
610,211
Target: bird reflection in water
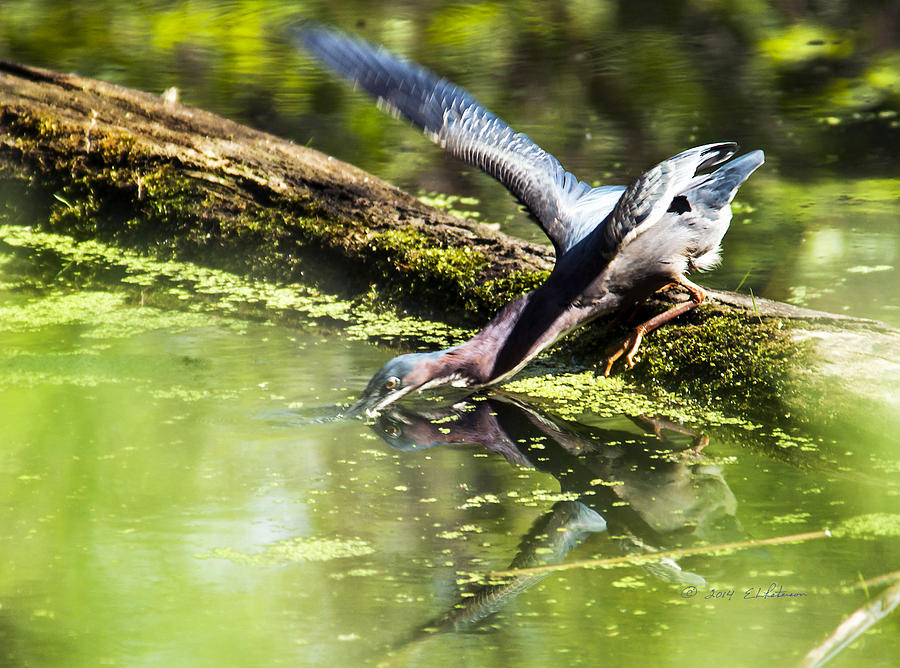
x,y
645,487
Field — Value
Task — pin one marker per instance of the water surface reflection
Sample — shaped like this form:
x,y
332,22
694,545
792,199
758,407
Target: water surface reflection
x,y
647,488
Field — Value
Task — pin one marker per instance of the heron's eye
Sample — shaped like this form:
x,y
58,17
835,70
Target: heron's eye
x,y
392,383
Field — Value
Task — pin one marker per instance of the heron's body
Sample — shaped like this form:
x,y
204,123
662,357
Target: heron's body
x,y
614,245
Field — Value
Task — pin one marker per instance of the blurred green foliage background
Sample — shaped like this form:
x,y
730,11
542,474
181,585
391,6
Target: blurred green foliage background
x,y
814,82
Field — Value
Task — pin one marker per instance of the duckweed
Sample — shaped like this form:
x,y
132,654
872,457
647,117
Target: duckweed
x,y
293,550
223,292
873,525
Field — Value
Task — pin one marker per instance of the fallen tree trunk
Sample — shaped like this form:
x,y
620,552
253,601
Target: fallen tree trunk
x,y
137,168
97,160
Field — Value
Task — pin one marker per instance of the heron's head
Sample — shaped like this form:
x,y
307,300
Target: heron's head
x,y
402,375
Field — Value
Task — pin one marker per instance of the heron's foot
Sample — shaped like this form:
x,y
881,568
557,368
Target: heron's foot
x,y
628,347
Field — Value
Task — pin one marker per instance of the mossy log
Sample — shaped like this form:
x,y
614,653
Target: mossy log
x,y
91,159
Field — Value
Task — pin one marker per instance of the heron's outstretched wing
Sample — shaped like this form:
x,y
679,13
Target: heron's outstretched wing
x,y
651,194
565,208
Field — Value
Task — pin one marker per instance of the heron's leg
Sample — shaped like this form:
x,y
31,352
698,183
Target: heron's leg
x,y
626,313
629,346
667,286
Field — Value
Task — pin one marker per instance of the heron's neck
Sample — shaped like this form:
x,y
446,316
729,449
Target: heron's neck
x,y
520,331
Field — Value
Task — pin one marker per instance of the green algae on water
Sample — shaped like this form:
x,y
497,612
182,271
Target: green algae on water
x,y
100,315
294,550
225,292
871,526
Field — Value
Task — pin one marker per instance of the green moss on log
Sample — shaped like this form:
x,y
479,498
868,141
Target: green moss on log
x,y
711,356
110,188
722,357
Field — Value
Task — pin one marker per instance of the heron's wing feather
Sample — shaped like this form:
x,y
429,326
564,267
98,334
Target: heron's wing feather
x,y
562,205
650,195
585,212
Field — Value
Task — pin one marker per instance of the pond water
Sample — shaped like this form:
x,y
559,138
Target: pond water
x,y
179,488
179,491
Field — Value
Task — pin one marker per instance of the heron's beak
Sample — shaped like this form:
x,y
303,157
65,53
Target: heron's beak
x,y
365,406
371,404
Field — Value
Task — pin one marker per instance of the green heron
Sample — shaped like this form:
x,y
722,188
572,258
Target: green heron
x,y
615,246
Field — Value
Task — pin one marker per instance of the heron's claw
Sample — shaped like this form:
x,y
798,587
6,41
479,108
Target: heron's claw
x,y
628,347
